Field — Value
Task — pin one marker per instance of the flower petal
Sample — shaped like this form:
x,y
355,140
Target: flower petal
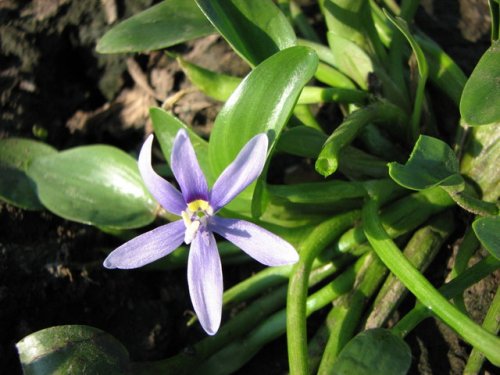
x,y
167,195
205,280
262,245
240,173
186,169
147,247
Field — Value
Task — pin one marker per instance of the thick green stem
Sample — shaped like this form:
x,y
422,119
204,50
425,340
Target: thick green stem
x,y
455,287
420,251
423,289
324,234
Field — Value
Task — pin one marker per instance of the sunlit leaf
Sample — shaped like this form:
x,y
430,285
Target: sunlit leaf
x,y
166,24
72,349
97,185
262,103
16,187
431,163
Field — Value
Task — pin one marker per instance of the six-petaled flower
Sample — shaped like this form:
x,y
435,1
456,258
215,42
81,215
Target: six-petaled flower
x,y
197,206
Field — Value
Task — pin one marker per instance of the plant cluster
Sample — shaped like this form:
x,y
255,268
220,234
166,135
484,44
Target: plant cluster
x,y
394,180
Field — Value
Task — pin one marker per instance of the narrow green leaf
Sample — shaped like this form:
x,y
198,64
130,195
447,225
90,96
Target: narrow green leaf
x,y
423,72
255,29
480,104
374,352
262,103
431,163
351,59
16,155
72,349
98,185
166,127
220,87
216,85
166,24
487,230
444,72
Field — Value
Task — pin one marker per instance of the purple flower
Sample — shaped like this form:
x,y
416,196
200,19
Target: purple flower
x,y
197,206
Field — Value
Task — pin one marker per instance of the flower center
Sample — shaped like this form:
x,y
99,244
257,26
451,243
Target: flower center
x,y
195,215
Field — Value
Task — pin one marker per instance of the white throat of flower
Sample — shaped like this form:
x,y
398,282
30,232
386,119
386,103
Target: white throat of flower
x,y
196,214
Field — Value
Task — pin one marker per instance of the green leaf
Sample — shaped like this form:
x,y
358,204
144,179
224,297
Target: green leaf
x,y
166,127
255,29
374,352
487,230
166,24
72,349
98,185
220,87
216,85
431,163
262,103
16,154
351,59
480,103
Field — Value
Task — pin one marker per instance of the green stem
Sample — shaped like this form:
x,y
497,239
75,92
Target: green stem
x,y
328,158
420,251
321,236
347,313
423,289
238,352
491,323
450,290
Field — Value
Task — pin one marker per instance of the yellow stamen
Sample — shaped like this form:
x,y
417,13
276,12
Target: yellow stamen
x,y
198,204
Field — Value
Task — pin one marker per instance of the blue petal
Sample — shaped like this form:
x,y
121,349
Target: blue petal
x,y
147,247
262,245
168,196
205,280
186,169
240,173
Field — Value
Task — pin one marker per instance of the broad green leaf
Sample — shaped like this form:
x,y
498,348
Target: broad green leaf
x,y
166,24
16,155
98,185
401,24
72,349
374,352
480,104
262,103
255,29
487,230
166,127
431,163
